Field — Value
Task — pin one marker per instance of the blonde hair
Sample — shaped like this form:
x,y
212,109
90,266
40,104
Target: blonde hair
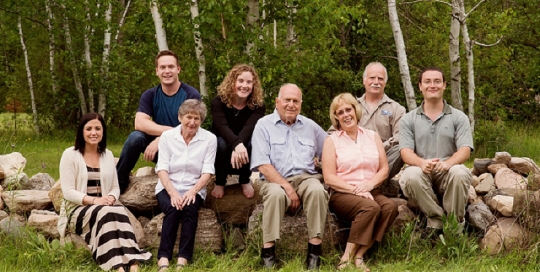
x,y
346,98
226,89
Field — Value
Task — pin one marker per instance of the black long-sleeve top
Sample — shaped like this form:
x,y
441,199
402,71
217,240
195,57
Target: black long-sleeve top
x,y
234,126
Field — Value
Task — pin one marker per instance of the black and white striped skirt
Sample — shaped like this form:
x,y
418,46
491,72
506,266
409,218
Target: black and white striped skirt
x,y
108,232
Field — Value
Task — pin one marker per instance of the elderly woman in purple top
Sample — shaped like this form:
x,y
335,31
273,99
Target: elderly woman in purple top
x,y
235,111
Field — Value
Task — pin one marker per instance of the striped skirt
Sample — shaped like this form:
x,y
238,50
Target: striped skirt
x,y
108,232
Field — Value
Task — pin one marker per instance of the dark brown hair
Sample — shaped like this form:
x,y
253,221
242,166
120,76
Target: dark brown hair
x,y
80,143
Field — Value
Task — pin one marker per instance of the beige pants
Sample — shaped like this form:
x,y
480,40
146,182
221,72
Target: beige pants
x,y
452,185
314,200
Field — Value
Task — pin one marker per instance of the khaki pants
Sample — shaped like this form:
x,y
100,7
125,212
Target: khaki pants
x,y
313,197
452,185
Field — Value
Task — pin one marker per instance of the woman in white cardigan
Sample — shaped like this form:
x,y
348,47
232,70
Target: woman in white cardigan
x,y
90,188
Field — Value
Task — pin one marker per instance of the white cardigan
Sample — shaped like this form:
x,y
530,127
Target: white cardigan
x,y
74,181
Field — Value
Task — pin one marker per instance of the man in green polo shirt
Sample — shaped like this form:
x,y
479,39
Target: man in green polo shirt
x,y
435,140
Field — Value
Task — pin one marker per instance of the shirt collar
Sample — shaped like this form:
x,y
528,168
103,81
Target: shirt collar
x,y
342,132
447,109
276,119
178,134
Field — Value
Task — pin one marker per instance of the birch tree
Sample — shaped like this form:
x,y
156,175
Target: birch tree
x,y
251,19
105,62
291,36
199,47
28,73
73,63
455,62
161,36
402,56
52,49
88,56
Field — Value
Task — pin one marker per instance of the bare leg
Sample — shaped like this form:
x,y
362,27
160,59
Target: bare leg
x,y
247,189
219,191
359,256
134,267
345,260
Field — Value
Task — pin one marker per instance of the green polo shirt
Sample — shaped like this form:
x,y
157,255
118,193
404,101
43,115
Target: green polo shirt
x,y
435,139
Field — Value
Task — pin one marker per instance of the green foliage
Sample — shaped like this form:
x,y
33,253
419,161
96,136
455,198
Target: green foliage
x,y
455,243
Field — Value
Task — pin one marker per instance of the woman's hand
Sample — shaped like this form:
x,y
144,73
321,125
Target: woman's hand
x,y
111,200
364,187
236,162
365,195
242,153
176,201
188,198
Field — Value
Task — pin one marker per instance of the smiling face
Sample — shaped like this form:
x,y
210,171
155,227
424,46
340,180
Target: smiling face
x,y
190,123
289,103
432,85
244,85
167,70
346,116
93,132
375,79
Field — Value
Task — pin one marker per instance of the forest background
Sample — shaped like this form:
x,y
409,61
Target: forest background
x,y
63,58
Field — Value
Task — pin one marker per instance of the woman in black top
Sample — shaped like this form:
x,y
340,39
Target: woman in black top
x,y
235,111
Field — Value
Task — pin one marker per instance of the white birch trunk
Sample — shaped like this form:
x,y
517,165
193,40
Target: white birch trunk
x,y
88,57
105,62
199,48
455,62
161,36
251,19
402,56
73,65
290,39
275,33
470,67
28,74
51,53
122,20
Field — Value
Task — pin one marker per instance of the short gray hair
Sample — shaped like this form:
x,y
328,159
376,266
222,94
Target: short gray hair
x,y
375,63
193,106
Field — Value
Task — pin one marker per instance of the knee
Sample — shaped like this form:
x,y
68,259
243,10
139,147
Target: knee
x,y
222,146
413,177
390,207
315,189
135,138
275,196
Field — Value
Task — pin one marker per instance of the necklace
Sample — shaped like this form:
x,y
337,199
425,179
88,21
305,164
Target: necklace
x,y
236,112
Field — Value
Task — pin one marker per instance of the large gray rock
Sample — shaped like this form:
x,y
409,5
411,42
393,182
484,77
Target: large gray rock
x,y
487,183
472,195
1,200
140,195
145,171
2,173
506,178
405,215
293,232
12,163
505,235
502,157
494,168
391,188
502,205
24,201
480,166
480,217
45,222
12,225
15,181
527,206
234,208
523,166
207,238
3,214
39,181
56,196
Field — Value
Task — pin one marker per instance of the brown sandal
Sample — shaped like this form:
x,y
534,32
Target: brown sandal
x,y
361,265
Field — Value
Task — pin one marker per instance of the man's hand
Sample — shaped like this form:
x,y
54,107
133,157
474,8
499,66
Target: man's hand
x,y
428,165
295,200
151,150
441,167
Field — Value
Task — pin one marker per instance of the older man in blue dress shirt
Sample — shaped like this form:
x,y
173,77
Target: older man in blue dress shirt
x,y
286,146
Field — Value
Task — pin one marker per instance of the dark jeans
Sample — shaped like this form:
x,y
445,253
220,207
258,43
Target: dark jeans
x,y
135,144
223,164
189,216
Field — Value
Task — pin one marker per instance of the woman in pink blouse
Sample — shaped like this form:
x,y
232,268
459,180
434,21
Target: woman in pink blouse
x,y
354,165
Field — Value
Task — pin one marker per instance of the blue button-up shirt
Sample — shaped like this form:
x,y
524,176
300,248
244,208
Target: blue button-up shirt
x,y
289,149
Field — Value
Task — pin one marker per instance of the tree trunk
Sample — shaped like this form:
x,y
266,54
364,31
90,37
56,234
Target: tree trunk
x,y
28,74
470,67
51,53
105,62
161,36
121,22
88,57
402,56
251,19
73,64
455,63
199,47
291,11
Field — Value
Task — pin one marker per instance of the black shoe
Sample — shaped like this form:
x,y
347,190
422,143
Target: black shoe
x,y
268,256
313,260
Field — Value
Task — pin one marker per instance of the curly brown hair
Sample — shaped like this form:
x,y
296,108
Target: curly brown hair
x,y
226,89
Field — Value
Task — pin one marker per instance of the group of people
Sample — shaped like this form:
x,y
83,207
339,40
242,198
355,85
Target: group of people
x,y
370,140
